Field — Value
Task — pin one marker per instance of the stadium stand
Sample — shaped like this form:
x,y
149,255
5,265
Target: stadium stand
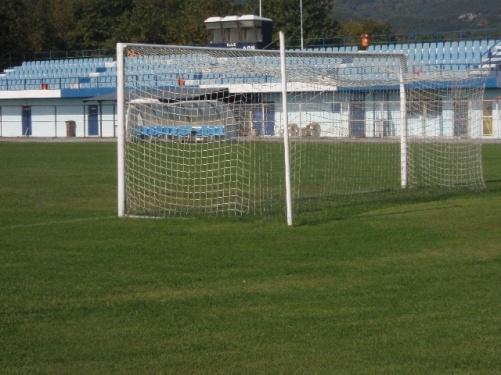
x,y
60,74
101,72
38,98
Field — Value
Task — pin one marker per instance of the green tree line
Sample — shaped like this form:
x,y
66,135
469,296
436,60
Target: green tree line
x,y
31,26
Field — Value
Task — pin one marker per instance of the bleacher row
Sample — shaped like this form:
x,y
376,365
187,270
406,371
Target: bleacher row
x,y
101,72
466,52
60,74
180,131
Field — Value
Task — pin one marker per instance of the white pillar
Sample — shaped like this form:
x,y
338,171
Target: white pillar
x,y
285,120
403,125
121,129
497,117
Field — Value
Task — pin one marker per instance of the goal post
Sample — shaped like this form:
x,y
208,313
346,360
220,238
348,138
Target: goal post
x,y
121,133
285,111
403,122
229,132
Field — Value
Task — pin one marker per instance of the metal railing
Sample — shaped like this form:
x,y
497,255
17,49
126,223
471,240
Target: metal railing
x,y
10,60
173,79
487,55
392,38
12,84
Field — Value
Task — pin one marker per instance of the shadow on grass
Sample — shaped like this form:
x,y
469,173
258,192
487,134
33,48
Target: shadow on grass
x,y
318,212
339,208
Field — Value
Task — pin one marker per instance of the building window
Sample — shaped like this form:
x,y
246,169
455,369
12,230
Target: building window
x,y
487,118
336,107
427,108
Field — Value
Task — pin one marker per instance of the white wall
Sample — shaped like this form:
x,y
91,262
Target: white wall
x,y
11,121
380,115
42,121
70,113
108,117
496,119
448,118
49,116
436,121
475,117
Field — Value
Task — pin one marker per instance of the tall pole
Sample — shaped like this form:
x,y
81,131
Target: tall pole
x,y
260,8
121,129
403,124
288,186
301,17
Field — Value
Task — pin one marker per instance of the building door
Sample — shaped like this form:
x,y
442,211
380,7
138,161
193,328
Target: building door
x,y
357,116
460,118
26,120
92,120
263,119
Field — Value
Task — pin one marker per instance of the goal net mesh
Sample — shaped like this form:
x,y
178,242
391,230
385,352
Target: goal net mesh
x,y
204,129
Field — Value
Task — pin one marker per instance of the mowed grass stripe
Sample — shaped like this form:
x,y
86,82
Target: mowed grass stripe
x,y
377,287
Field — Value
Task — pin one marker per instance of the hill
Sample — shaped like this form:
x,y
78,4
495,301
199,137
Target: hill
x,y
424,15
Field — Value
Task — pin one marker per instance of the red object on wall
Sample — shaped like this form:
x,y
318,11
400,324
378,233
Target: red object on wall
x,y
365,41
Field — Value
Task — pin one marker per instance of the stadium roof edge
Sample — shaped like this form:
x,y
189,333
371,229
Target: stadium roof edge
x,y
30,94
56,93
245,17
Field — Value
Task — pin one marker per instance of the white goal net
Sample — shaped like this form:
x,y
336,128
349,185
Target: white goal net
x,y
209,131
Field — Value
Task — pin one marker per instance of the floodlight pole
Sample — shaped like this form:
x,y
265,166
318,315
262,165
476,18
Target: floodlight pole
x,y
285,122
260,9
121,129
301,21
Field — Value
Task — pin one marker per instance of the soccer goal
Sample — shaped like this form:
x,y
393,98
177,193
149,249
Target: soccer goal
x,y
227,132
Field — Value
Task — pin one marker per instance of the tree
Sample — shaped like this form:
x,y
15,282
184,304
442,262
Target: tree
x,y
96,21
13,31
30,26
380,31
318,19
61,17
149,21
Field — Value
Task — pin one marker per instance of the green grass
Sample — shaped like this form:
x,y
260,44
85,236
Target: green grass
x,y
392,287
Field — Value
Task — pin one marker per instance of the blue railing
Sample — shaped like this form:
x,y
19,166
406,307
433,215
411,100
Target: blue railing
x,y
417,37
487,55
145,79
57,83
8,60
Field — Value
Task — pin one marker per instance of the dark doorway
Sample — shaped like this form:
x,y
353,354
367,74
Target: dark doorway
x,y
263,119
26,120
92,120
357,116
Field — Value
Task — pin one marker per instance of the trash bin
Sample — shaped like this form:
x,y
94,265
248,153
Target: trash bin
x,y
71,128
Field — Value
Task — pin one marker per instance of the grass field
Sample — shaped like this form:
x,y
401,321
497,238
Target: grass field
x,y
394,287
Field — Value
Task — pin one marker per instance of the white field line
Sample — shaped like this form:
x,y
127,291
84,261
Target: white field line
x,y
56,222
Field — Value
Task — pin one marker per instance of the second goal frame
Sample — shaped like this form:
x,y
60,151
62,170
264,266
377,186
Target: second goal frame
x,y
198,129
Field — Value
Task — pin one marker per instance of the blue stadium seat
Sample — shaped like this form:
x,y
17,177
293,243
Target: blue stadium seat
x,y
439,55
